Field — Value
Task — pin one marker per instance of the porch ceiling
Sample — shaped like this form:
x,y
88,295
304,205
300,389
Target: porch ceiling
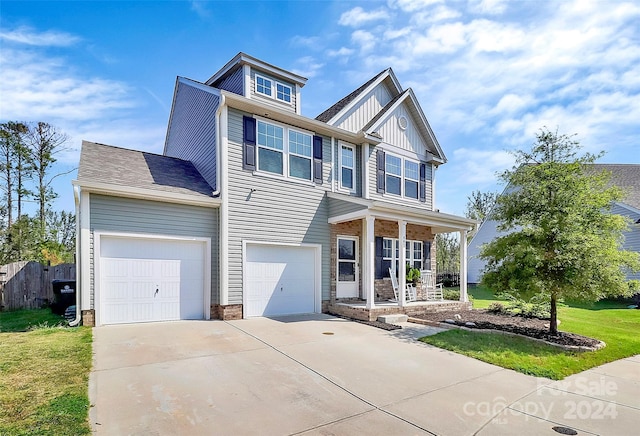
x,y
439,222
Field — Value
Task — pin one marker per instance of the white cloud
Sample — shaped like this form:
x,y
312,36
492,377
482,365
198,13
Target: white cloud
x,y
28,36
342,51
481,166
201,8
312,42
412,5
307,66
364,39
489,7
357,16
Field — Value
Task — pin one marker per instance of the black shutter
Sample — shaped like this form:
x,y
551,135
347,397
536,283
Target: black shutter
x,y
426,255
380,162
317,159
423,182
249,147
379,269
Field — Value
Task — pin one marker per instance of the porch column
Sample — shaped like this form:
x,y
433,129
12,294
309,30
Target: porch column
x,y
463,266
369,270
402,262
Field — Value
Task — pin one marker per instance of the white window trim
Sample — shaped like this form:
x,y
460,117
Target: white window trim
x,y
293,153
411,259
285,153
353,169
274,89
263,78
403,177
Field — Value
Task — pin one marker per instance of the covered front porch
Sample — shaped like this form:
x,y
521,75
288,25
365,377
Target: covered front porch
x,y
367,241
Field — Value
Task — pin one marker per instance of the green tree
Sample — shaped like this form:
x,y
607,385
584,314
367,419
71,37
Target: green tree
x,y
562,240
447,252
479,205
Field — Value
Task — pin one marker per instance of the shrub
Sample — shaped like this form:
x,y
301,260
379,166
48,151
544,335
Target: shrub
x,y
496,308
454,295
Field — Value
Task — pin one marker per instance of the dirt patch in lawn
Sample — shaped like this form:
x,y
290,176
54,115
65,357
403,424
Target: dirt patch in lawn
x,y
531,327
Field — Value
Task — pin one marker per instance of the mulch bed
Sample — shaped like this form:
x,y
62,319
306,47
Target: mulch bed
x,y
532,327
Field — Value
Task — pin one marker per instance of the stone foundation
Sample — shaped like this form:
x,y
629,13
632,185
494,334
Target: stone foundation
x,y
364,314
89,318
226,313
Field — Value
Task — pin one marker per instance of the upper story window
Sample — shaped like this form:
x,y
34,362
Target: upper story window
x,y
263,85
281,150
299,155
411,178
347,167
393,168
272,88
400,176
270,147
283,92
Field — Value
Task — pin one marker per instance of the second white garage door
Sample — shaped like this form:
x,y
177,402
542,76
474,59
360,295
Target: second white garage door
x,y
279,280
144,280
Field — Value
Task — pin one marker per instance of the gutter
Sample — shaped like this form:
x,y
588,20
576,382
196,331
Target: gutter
x,y
76,197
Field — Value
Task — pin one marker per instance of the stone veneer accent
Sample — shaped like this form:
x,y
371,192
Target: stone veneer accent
x,y
364,314
226,313
89,318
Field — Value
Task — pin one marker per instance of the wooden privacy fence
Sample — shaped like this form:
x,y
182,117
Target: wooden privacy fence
x,y
27,284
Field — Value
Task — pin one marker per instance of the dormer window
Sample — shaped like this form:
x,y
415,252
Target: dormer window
x,y
263,85
271,88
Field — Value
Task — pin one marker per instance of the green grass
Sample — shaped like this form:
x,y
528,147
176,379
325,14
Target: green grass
x,y
608,321
44,371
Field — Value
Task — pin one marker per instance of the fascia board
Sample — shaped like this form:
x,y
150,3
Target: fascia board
x,y
357,100
145,194
284,116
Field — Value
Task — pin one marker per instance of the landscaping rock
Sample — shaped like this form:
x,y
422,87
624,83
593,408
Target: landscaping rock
x,y
457,316
470,324
448,321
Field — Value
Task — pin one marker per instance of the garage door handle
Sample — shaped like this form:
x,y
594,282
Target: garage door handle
x,y
156,292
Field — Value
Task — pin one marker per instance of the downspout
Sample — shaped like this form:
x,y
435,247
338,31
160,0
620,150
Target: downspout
x,y
76,198
221,103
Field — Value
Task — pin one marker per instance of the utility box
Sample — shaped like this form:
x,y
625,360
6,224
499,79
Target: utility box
x,y
64,293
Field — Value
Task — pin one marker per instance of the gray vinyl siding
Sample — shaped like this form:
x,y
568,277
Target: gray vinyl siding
x,y
117,214
234,82
632,235
274,100
278,211
374,195
340,207
192,132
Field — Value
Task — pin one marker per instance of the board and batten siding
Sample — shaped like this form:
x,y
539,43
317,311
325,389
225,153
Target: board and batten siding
x,y
291,106
358,117
234,82
409,139
127,215
192,130
375,195
279,210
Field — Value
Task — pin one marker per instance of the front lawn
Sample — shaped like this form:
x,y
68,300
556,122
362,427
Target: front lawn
x,y
44,370
608,321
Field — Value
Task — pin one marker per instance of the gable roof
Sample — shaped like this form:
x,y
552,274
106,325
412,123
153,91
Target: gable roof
x,y
423,125
105,165
338,108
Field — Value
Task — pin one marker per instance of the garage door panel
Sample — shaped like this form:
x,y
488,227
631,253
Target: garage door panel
x,y
279,280
151,280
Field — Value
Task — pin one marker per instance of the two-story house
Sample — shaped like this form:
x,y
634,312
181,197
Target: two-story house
x,y
256,210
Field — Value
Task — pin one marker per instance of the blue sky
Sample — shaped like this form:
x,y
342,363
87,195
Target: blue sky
x,y
488,73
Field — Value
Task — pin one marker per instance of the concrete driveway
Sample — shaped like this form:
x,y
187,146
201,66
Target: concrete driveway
x,y
317,374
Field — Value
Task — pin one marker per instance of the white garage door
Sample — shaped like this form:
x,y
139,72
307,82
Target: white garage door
x,y
279,280
144,280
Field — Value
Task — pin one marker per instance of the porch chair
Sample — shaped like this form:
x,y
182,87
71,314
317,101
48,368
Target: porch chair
x,y
409,290
432,289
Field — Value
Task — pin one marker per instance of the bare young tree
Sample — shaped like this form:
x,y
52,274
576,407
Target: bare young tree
x,y
44,142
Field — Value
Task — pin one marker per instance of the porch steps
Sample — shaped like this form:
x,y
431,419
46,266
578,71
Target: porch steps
x,y
393,318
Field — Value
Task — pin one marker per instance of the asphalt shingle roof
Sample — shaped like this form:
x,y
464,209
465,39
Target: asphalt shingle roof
x,y
342,103
120,166
627,177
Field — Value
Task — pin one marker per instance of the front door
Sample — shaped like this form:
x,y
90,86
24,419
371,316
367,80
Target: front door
x,y
347,268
